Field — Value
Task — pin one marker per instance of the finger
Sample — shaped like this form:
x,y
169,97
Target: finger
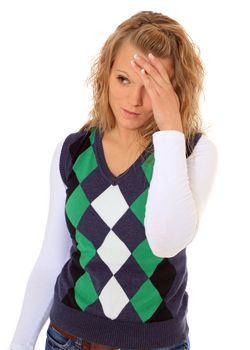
x,y
138,70
149,84
150,69
146,78
160,68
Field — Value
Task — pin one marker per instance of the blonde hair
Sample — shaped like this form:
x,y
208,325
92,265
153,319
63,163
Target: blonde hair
x,y
165,38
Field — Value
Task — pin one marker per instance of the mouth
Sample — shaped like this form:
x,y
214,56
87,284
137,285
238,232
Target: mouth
x,y
130,113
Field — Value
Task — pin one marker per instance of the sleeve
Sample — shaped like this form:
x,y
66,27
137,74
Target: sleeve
x,y
178,192
54,253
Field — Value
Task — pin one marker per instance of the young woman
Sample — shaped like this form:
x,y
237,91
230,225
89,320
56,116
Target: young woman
x,y
127,193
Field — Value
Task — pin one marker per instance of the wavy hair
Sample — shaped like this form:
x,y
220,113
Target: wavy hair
x,y
163,36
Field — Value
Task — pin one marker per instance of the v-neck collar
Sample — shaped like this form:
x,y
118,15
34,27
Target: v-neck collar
x,y
114,180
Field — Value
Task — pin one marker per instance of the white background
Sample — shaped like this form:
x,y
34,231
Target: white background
x,y
46,50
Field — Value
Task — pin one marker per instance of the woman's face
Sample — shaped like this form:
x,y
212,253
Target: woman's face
x,y
126,89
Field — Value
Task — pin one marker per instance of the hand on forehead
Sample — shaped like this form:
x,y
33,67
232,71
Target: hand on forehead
x,y
126,54
162,65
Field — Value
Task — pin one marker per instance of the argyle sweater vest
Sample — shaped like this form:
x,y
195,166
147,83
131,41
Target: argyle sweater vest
x,y
113,290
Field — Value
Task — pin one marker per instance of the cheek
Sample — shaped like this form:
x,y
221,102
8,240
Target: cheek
x,y
115,90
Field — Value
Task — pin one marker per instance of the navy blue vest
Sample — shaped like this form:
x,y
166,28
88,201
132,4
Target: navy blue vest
x,y
113,290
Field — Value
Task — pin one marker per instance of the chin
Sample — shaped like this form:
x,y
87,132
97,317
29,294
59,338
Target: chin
x,y
130,125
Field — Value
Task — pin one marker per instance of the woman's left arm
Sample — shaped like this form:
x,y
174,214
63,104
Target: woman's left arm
x,y
178,192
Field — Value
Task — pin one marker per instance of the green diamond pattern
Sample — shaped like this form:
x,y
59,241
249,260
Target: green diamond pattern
x,y
146,300
145,258
85,293
76,205
85,247
147,167
138,206
86,157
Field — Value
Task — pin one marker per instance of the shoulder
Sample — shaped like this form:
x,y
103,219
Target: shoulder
x,y
73,141
205,145
204,155
70,147
74,137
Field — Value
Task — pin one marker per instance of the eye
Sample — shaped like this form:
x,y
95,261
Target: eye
x,y
121,79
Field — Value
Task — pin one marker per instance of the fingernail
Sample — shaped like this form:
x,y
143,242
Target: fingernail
x,y
150,55
136,56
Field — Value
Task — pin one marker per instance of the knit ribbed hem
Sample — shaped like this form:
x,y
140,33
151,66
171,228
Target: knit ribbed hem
x,y
116,333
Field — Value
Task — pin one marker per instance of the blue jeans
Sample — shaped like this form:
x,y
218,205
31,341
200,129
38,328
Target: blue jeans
x,y
56,341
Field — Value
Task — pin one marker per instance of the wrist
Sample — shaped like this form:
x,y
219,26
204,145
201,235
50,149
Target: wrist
x,y
171,127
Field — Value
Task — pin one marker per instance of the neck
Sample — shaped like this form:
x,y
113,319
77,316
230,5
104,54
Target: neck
x,y
124,137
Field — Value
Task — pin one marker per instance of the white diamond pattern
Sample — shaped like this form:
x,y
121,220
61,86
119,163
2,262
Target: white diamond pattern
x,y
102,205
113,298
113,251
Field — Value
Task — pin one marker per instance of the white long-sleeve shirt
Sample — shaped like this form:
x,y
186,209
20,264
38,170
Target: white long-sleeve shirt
x,y
178,193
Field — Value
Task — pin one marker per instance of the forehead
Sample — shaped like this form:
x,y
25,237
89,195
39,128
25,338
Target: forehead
x,y
125,55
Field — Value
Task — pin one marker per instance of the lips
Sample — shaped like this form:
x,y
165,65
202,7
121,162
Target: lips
x,y
130,112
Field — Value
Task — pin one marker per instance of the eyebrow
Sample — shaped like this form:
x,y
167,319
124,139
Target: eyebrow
x,y
118,70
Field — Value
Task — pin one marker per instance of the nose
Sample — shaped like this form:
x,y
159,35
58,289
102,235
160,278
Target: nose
x,y
135,97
